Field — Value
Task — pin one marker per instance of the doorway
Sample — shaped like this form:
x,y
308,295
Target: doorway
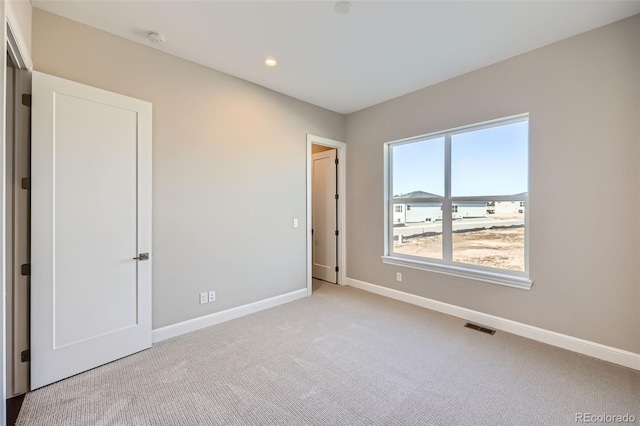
x,y
326,195
17,201
16,242
324,214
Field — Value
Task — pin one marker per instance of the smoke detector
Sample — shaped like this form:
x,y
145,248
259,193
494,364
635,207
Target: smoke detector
x,y
342,7
156,38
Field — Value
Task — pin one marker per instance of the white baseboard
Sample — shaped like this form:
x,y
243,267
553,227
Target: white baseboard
x,y
596,350
183,327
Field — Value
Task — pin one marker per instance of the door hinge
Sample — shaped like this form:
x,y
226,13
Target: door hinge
x,y
337,161
26,183
337,269
25,269
26,100
337,233
25,356
336,196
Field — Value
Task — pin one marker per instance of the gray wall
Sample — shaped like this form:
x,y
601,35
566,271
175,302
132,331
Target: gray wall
x,y
228,167
583,97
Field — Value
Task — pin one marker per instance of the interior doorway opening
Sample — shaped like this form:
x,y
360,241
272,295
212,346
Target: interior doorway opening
x,y
324,214
326,195
17,229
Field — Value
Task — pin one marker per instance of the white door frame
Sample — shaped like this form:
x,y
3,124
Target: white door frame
x,y
11,36
341,148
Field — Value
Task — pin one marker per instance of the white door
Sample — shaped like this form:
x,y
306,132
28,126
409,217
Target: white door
x,y
91,216
324,216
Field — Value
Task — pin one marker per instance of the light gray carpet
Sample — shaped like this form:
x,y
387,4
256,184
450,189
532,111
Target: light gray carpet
x,y
340,357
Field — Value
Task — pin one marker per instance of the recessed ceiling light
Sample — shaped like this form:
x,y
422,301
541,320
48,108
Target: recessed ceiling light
x,y
270,61
343,7
156,38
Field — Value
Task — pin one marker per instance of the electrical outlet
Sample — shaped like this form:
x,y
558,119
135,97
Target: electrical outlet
x,y
399,276
212,296
295,222
203,298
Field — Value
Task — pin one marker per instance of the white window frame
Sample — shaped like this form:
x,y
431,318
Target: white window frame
x,y
517,279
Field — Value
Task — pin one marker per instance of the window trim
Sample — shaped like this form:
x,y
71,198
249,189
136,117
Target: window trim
x,y
476,273
447,266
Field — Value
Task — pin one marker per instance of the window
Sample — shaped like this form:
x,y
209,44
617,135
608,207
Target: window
x,y
468,188
398,209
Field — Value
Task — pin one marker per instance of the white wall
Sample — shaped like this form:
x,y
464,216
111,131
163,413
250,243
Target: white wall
x,y
583,97
229,167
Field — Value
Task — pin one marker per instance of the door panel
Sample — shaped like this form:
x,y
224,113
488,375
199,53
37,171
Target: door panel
x,y
91,215
324,216
95,191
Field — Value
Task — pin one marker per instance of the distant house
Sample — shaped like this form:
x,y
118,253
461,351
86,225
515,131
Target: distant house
x,y
405,211
469,209
508,207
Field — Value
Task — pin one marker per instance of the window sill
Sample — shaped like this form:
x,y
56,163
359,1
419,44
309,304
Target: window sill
x,y
460,271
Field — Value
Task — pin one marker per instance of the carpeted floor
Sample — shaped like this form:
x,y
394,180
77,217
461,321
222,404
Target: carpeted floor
x,y
340,357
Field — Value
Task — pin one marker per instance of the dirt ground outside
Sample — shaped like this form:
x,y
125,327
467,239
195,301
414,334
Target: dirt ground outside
x,y
495,248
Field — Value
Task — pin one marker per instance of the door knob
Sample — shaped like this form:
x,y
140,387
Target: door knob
x,y
142,256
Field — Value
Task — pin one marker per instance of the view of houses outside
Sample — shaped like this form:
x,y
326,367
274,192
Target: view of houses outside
x,y
486,234
484,162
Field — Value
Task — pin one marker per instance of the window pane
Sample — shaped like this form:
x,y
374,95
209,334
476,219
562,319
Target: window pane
x,y
417,229
490,161
494,239
418,169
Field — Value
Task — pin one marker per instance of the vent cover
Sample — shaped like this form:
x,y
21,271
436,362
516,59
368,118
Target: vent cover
x,y
480,328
